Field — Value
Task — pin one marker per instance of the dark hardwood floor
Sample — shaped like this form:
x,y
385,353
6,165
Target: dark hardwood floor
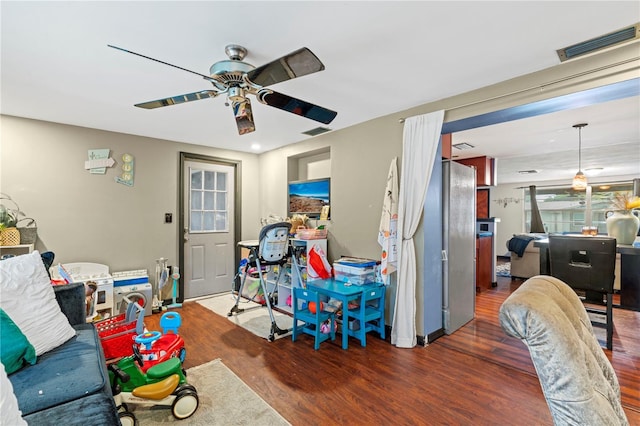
x,y
478,375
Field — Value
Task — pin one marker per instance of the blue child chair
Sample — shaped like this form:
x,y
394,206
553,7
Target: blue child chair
x,y
312,321
369,314
170,322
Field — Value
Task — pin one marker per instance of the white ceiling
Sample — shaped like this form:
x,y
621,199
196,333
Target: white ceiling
x,y
380,58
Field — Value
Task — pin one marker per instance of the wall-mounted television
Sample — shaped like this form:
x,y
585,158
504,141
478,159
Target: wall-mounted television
x,y
309,196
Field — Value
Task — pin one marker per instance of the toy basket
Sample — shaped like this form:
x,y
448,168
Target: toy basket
x,y
311,234
9,237
117,333
29,232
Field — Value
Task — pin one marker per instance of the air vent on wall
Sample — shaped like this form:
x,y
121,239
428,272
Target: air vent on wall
x,y
316,131
463,145
599,43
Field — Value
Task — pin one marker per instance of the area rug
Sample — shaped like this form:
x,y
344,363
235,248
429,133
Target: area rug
x,y
224,400
255,318
503,270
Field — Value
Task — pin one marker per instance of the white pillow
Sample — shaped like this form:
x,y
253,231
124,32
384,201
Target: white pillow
x,y
11,414
27,296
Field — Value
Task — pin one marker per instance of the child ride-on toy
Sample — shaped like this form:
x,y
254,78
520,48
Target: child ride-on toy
x,y
163,384
156,347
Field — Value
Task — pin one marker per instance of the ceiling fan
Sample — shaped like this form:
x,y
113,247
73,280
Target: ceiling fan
x,y
237,79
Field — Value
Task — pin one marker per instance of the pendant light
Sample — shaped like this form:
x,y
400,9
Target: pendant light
x,y
579,180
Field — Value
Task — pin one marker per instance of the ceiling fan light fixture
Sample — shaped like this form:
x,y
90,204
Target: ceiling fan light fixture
x,y
579,180
236,94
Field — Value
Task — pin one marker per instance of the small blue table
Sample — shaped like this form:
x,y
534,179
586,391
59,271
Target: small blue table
x,y
344,292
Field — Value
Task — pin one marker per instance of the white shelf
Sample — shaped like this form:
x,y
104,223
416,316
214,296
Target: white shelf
x,y
285,289
16,250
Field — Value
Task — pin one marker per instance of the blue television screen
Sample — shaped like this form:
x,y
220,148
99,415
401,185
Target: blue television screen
x,y
309,196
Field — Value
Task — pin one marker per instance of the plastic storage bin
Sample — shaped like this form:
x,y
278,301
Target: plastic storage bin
x,y
355,271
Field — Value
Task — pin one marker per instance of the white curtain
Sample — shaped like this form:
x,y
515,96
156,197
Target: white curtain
x,y
419,149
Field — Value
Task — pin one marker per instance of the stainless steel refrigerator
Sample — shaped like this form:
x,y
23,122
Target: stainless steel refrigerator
x,y
459,245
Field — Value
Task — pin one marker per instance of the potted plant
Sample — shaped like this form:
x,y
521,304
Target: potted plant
x,y
10,233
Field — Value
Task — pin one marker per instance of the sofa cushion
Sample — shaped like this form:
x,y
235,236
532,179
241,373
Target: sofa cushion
x,y
15,350
96,409
27,296
11,414
69,372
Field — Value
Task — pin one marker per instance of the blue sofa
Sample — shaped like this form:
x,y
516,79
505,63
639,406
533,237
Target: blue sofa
x,y
69,385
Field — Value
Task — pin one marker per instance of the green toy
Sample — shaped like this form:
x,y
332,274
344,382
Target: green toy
x,y
164,384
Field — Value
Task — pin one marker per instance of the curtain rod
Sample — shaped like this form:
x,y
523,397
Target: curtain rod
x,y
541,86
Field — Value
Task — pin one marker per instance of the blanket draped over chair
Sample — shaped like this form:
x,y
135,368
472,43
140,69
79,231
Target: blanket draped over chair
x,y
518,244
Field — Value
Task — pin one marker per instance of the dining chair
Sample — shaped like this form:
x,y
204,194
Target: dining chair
x,y
587,264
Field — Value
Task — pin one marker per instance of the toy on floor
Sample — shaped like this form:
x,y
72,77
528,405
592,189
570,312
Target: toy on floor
x,y
117,333
164,384
156,347
175,276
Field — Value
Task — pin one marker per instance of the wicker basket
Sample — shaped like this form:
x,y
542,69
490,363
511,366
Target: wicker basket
x,y
311,234
9,237
29,232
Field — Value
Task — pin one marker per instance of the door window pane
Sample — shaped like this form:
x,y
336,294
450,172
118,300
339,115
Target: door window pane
x,y
196,221
221,221
209,180
208,221
222,181
208,200
221,201
196,200
196,179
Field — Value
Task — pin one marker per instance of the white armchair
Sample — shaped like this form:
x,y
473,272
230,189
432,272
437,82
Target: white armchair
x,y
527,265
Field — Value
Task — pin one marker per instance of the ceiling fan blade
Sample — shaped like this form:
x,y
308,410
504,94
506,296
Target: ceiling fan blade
x,y
206,77
244,116
296,106
295,64
196,96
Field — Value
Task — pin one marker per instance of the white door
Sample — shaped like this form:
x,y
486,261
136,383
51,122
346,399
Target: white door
x,y
209,252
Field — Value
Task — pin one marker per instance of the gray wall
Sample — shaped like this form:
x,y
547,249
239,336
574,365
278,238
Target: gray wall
x,y
83,217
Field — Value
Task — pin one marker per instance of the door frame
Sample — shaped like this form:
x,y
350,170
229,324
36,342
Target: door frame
x,y
237,206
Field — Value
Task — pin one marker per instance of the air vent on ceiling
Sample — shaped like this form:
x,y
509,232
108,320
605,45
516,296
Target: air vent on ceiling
x,y
463,145
317,131
527,172
599,43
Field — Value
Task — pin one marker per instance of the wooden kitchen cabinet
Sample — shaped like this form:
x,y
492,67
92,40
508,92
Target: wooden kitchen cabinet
x,y
446,145
485,169
484,252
